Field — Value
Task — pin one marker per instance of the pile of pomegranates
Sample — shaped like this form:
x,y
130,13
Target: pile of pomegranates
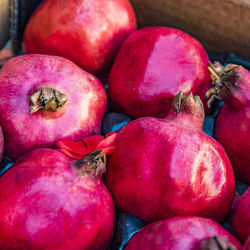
x,y
72,173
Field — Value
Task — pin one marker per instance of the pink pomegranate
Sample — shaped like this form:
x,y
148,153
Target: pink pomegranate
x,y
88,33
168,167
51,201
152,66
232,128
1,143
247,244
45,99
179,233
241,217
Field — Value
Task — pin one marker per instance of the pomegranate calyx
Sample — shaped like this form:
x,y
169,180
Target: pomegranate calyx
x,y
88,145
223,80
91,164
189,104
47,99
217,243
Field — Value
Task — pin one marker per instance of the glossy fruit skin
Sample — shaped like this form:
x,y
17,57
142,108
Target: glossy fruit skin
x,y
232,127
152,66
179,233
91,30
46,204
241,218
1,143
163,168
80,116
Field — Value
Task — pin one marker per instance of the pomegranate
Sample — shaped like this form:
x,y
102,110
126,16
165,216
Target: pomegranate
x,y
232,128
247,244
180,233
88,32
152,66
1,143
241,217
45,99
168,167
51,201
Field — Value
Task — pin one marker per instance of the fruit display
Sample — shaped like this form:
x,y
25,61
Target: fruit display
x,y
153,65
45,99
168,167
118,138
50,201
241,217
91,31
232,127
180,233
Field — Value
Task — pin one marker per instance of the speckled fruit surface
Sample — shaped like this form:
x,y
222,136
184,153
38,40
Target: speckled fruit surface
x,y
168,167
46,202
81,115
89,33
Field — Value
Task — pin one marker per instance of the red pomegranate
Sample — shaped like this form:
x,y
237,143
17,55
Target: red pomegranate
x,y
1,143
50,201
179,233
88,32
152,66
232,128
247,244
168,167
45,99
241,217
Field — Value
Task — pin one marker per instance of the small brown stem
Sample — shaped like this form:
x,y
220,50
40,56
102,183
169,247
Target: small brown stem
x,y
216,70
91,164
223,80
194,102
47,99
217,243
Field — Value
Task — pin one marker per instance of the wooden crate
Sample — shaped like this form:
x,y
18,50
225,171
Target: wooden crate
x,y
220,25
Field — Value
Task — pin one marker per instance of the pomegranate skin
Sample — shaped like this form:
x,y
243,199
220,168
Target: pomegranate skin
x,y
163,168
179,233
241,218
1,143
91,31
152,66
232,130
46,204
80,116
247,244
232,127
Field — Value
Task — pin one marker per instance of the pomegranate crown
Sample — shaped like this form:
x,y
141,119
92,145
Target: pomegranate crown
x,y
80,149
